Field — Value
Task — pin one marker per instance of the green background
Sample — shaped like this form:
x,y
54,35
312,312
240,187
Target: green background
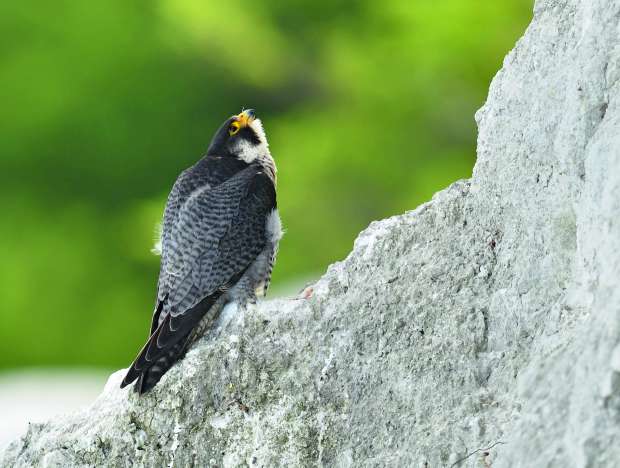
x,y
368,106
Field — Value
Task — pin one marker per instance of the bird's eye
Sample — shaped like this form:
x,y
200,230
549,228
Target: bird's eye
x,y
234,128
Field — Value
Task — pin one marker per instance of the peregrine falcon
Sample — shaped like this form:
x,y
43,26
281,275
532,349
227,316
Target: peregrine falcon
x,y
219,239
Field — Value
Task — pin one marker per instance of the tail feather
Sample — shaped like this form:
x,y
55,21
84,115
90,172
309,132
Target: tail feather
x,y
166,345
169,340
149,377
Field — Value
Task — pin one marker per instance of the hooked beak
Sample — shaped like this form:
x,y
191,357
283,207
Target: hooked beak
x,y
246,117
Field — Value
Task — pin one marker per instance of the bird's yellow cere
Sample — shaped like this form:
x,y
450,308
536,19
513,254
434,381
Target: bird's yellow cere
x,y
244,119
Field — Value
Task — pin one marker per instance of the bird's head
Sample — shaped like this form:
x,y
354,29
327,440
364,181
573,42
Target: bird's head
x,y
241,136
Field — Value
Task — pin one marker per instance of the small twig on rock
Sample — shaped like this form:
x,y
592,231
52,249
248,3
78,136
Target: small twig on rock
x,y
459,461
237,401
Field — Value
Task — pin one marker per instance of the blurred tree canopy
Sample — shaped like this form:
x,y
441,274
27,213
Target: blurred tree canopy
x,y
368,107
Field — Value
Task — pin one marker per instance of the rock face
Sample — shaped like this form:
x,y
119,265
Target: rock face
x,y
482,328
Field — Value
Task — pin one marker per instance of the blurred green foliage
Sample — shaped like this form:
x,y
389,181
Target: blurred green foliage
x,y
368,107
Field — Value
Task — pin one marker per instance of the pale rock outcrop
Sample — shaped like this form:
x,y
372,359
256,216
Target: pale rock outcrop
x,y
481,329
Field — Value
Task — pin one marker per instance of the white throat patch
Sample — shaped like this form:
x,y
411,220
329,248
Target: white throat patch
x,y
249,153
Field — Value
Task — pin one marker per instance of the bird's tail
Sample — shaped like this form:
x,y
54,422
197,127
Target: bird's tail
x,y
150,376
167,344
172,336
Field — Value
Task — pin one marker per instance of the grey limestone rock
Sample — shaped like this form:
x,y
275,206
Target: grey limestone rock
x,y
481,329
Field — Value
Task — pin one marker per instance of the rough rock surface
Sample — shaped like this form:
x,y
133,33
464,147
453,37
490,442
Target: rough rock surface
x,y
482,328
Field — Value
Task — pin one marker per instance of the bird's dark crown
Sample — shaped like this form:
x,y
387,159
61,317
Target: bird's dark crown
x,y
234,133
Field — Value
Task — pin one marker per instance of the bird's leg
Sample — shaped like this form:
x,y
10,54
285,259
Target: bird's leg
x,y
243,292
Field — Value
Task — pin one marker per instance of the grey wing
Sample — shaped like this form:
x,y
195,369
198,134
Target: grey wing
x,y
182,188
218,235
